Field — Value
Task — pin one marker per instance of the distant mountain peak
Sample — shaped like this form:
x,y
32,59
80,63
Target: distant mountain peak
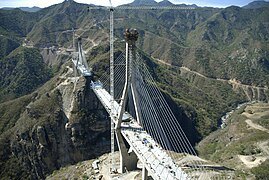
x,y
69,1
165,3
257,4
144,3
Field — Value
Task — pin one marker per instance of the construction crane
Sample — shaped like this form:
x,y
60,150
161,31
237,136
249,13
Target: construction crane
x,y
111,9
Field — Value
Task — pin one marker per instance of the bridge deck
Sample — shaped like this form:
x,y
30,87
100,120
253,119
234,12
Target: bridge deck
x,y
155,159
82,69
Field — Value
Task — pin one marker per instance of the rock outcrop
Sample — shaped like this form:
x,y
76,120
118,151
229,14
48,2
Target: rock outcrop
x,y
60,126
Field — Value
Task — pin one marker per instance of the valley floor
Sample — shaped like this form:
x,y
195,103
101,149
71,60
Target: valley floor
x,y
244,144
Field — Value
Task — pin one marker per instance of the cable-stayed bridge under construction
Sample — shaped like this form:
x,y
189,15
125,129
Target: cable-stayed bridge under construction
x,y
142,122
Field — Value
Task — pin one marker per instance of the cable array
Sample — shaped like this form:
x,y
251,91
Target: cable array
x,y
155,115
157,118
119,77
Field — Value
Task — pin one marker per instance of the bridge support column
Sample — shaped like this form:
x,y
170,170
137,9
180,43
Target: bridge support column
x,y
144,173
128,160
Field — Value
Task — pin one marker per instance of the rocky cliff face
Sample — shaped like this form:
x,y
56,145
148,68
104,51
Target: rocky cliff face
x,y
60,126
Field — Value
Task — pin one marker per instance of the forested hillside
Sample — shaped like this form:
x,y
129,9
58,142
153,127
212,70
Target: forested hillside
x,y
206,61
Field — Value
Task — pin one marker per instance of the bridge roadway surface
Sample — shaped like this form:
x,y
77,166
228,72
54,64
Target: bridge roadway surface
x,y
154,158
83,70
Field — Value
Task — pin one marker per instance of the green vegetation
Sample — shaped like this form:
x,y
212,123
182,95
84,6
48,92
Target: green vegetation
x,y
229,43
16,22
248,149
261,172
85,177
226,145
11,111
7,45
22,72
264,121
204,99
13,168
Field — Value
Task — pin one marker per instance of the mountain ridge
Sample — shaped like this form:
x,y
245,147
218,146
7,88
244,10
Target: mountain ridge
x,y
256,5
27,9
202,46
252,5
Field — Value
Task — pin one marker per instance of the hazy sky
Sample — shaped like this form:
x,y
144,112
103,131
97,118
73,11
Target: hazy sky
x,y
45,3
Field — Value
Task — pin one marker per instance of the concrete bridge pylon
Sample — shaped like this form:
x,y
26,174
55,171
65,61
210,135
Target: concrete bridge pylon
x,y
128,158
